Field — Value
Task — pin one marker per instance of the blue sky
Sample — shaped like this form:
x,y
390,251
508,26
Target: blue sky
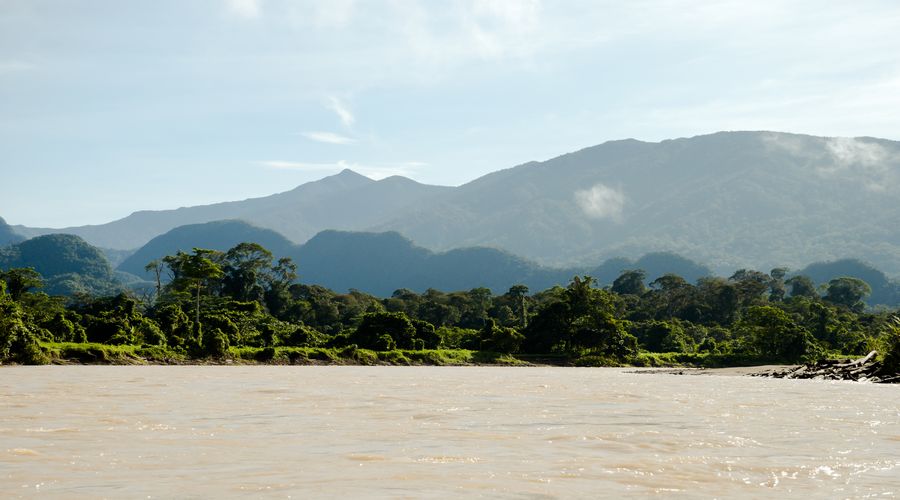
x,y
108,107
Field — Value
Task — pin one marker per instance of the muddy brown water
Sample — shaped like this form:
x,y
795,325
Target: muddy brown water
x,y
437,432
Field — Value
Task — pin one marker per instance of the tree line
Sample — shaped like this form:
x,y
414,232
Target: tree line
x,y
206,302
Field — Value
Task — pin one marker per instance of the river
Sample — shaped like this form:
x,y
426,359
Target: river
x,y
437,432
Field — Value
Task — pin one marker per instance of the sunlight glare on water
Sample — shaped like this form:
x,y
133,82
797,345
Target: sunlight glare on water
x,y
300,432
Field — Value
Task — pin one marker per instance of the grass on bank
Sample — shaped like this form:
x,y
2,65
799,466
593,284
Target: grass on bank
x,y
93,353
105,354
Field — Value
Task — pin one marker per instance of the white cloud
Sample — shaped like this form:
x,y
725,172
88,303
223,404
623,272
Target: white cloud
x,y
601,202
845,159
340,109
381,171
328,137
847,151
868,162
374,171
299,165
249,9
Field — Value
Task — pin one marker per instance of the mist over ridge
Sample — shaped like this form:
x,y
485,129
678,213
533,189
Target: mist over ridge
x,y
729,200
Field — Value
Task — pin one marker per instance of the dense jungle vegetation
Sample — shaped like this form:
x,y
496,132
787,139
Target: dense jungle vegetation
x,y
244,305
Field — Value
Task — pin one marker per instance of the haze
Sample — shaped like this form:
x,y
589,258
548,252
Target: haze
x,y
110,107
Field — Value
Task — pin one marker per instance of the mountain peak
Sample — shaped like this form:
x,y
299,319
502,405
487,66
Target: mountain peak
x,y
350,174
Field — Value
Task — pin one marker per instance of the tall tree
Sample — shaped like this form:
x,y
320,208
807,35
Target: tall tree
x,y
630,282
801,286
518,293
156,267
849,292
21,280
246,268
195,271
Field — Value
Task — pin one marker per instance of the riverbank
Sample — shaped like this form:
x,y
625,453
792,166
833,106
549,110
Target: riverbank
x,y
865,369
69,353
730,371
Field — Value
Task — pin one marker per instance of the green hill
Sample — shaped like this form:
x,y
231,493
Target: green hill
x,y
884,290
68,264
380,263
217,235
7,235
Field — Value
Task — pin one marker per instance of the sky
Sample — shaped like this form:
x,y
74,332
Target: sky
x,y
108,107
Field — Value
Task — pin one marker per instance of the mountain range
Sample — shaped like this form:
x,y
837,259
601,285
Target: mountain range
x,y
377,263
347,201
380,263
8,235
730,200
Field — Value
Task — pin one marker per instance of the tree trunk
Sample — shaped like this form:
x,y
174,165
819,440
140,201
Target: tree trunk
x,y
197,310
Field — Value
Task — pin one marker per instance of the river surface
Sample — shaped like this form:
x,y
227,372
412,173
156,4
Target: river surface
x,y
439,432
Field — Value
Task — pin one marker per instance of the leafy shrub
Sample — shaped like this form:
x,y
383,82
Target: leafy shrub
x,y
265,354
215,343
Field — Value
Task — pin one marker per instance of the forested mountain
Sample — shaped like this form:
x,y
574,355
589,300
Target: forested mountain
x,y
884,290
68,264
217,235
343,201
376,263
7,235
653,264
731,200
380,263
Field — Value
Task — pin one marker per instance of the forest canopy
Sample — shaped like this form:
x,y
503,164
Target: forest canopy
x,y
214,305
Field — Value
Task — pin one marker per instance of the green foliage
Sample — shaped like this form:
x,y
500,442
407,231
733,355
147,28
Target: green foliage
x,y
500,339
238,305
301,336
459,338
18,343
890,346
848,292
384,342
21,280
802,286
769,332
662,336
67,263
373,328
393,357
630,282
64,330
214,343
175,325
426,334
583,318
266,354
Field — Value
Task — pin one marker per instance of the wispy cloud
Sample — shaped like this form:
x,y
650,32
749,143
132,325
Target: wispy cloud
x,y
844,159
374,171
305,166
341,110
15,66
249,9
328,137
